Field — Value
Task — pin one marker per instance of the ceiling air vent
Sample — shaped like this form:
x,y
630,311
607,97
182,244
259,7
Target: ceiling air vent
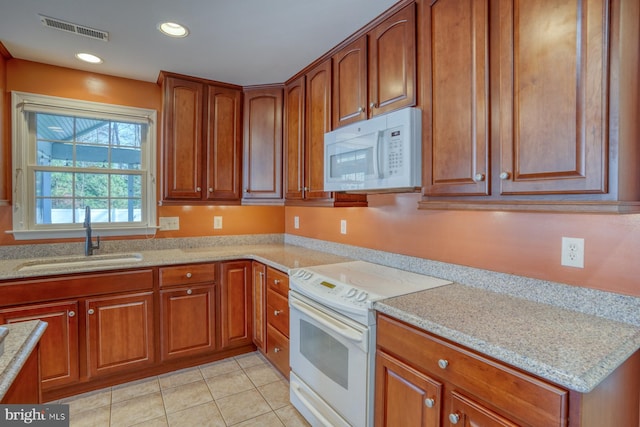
x,y
74,28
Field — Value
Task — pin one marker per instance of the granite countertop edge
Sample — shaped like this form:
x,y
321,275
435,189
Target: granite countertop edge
x,y
583,382
24,337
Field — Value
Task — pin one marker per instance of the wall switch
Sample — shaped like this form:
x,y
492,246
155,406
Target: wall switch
x,y
217,222
169,223
572,252
296,222
343,226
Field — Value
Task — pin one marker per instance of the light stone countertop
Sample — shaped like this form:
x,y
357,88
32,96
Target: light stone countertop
x,y
572,349
279,256
18,345
571,336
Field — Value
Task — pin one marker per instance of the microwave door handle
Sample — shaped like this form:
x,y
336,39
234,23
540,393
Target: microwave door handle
x,y
380,154
327,321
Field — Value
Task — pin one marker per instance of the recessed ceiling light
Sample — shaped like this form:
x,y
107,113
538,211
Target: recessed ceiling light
x,y
172,29
87,57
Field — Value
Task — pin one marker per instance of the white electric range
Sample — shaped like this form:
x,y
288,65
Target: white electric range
x,y
332,337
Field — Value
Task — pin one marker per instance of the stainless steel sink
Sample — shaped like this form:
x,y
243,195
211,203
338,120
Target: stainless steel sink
x,y
60,263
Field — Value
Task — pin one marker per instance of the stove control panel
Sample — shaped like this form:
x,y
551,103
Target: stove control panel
x,y
317,285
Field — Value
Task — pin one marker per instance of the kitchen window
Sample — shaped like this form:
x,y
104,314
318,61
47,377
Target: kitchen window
x,y
69,154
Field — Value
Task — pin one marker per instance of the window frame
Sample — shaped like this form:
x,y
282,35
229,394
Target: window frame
x,y
24,199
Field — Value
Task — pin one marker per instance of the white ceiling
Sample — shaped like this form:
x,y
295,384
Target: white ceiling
x,y
243,42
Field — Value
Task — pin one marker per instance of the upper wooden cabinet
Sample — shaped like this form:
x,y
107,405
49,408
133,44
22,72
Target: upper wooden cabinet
x,y
376,73
515,116
201,140
263,144
307,117
350,83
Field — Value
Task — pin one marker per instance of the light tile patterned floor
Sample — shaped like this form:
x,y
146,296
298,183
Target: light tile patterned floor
x,y
239,391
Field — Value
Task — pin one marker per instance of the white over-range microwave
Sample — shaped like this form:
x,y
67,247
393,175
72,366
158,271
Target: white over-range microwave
x,y
380,154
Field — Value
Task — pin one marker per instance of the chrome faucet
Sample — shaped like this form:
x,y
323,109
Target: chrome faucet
x,y
88,244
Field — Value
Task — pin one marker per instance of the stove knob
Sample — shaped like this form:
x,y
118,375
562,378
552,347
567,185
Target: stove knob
x,y
362,296
351,292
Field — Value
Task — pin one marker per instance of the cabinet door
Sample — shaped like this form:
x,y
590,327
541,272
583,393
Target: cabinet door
x,y
182,141
405,396
235,303
294,126
350,83
263,144
59,343
119,333
25,388
318,106
553,96
188,321
258,296
223,143
392,63
467,413
455,127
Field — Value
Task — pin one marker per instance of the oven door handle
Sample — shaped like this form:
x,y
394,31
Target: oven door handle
x,y
337,327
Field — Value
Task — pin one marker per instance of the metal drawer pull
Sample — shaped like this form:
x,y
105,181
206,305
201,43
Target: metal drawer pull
x,y
443,363
454,418
91,311
276,281
479,177
72,313
276,350
429,402
505,175
277,312
189,291
188,275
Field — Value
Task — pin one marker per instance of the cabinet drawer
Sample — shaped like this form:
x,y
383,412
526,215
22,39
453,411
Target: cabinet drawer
x,y
278,350
515,393
187,274
278,311
278,281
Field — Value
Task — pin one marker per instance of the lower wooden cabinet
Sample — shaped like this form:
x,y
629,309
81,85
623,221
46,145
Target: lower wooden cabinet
x,y
259,273
424,380
26,386
119,333
404,395
277,319
187,321
235,307
59,343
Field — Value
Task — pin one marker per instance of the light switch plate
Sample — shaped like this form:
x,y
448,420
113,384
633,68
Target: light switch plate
x,y
168,223
217,222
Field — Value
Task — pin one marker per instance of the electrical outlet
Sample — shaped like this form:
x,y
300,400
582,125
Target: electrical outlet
x,y
296,222
343,226
572,252
169,223
217,222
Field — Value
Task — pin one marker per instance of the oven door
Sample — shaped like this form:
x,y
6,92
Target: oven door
x,y
330,364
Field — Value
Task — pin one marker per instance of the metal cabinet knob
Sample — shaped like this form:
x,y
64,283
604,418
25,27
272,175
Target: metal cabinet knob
x,y
276,281
360,110
246,190
276,350
373,105
91,311
277,312
210,190
479,177
72,313
198,189
442,363
188,275
189,291
505,175
454,418
429,402
306,188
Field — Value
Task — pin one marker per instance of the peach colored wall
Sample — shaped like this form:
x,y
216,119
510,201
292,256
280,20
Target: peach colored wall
x,y
526,244
26,76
